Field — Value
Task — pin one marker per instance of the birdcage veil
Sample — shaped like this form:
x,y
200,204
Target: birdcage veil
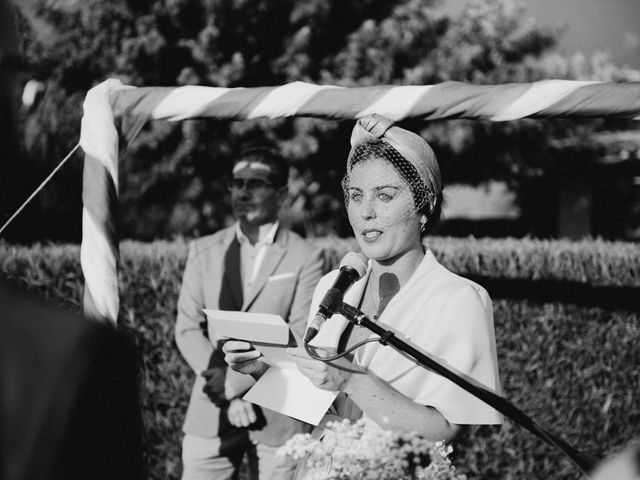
x,y
408,182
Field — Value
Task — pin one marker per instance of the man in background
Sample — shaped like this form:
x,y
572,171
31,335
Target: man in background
x,y
256,265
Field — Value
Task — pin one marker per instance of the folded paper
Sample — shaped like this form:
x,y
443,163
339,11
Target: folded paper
x,y
283,388
250,326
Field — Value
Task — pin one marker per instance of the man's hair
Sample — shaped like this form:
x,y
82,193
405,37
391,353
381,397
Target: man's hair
x,y
270,157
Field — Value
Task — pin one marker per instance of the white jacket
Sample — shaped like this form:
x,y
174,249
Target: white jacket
x,y
445,316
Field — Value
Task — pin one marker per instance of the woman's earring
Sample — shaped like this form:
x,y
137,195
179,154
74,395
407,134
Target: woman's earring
x,y
423,223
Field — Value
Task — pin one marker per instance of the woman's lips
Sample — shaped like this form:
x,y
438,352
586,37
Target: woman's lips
x,y
371,234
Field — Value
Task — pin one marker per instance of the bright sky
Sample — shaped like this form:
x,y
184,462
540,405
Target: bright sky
x,y
611,26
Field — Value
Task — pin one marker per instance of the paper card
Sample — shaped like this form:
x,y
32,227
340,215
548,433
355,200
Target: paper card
x,y
288,391
253,327
249,327
282,388
276,355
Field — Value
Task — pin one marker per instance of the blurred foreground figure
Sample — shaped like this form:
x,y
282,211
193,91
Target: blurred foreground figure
x,y
623,466
68,386
10,66
68,395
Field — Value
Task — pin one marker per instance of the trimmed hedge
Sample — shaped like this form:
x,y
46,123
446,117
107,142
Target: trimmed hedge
x,y
573,368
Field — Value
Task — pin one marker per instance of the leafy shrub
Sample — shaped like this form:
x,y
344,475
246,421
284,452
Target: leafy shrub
x,y
574,369
593,262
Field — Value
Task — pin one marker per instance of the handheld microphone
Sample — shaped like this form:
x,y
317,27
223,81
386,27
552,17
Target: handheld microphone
x,y
352,267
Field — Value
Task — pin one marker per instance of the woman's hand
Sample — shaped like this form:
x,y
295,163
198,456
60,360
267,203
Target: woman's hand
x,y
241,413
243,358
332,376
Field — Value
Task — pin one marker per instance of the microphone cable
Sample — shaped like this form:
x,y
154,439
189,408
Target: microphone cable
x,y
308,348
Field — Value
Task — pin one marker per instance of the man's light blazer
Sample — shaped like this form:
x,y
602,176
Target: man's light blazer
x,y
284,286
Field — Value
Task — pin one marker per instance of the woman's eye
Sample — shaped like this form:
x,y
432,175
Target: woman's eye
x,y
355,196
385,197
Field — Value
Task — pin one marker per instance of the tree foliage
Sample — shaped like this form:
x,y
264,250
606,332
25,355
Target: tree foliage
x,y
173,175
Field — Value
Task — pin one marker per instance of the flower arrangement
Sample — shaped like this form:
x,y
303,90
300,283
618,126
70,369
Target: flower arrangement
x,y
352,451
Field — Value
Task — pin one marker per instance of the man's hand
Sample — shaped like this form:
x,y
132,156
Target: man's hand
x,y
214,388
243,358
241,413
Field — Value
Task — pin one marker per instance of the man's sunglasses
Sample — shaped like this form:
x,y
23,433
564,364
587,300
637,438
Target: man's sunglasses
x,y
251,184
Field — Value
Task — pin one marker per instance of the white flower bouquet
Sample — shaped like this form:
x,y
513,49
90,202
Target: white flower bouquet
x,y
350,451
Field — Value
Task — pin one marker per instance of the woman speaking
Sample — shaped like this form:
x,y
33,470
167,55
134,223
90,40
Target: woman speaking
x,y
393,193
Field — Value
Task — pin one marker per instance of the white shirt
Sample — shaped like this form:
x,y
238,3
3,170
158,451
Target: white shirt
x,y
442,314
252,256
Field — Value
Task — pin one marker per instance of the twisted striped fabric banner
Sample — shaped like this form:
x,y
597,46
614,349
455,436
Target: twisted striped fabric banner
x,y
112,103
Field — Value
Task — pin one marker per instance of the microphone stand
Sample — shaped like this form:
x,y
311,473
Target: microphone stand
x,y
583,461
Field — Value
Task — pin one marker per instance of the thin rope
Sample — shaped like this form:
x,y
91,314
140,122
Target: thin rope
x,y
46,180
